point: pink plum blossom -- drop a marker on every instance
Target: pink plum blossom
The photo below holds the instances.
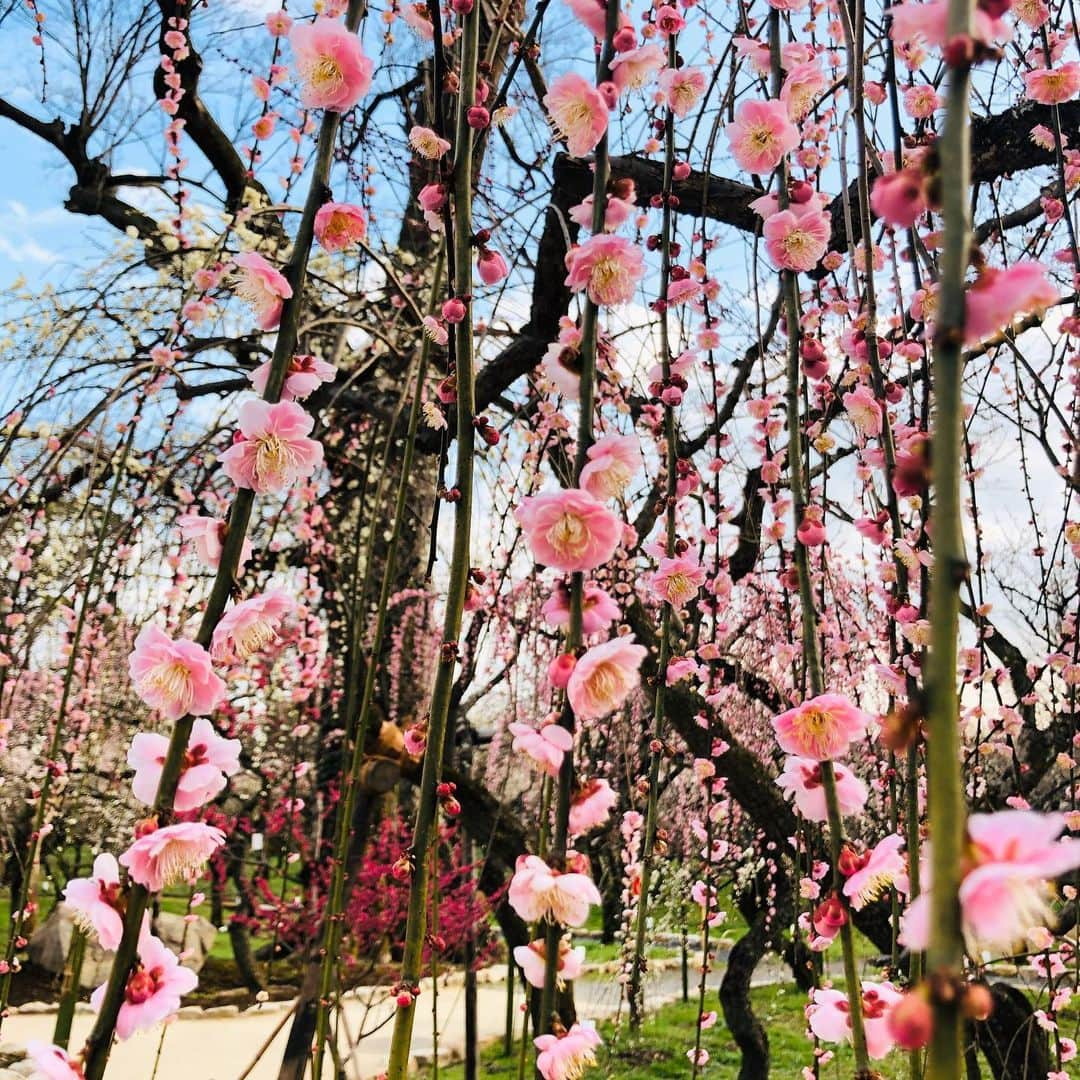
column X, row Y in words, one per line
column 921, row 101
column 865, row 410
column 636, row 68
column 761, row 134
column 830, row 1016
column 900, row 198
column 273, row 450
column 618, row 211
column 52, row 1062
column 598, row 610
column 96, row 900
column 797, row 241
column 264, row 288
column 278, row 23
column 678, row 579
column 569, row 529
column 593, row 15
column 1012, row 855
column 591, row 807
column 174, row 677
column 428, row 143
column 607, row 267
column 154, row 987
column 539, row 892
column 878, row 869
column 578, row 112
column 305, row 375
column 208, row 536
column 682, row 88
column 334, row 73
column 339, row 226
column 173, row 853
column 604, row 677
column 820, row 728
column 531, row 959
column 998, row 296
column 801, row 779
column 929, row 22
column 612, row 463
column 802, row 87
column 546, row 745
column 209, row 759
column 1053, row 86
column 565, row 1057
column 251, row 625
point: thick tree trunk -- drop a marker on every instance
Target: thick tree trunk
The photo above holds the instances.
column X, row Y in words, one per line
column 745, row 1027
column 240, row 940
column 298, row 1048
column 1014, row 1045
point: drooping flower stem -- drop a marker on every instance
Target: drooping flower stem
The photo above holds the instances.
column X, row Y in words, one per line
column 648, row 843
column 427, row 809
column 564, row 788
column 946, row 808
column 358, row 705
column 854, row 35
column 99, row 1042
column 69, row 995
column 33, row 854
column 847, row 935
column 813, row 672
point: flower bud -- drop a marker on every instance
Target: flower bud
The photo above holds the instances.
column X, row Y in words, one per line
column 478, row 117
column 560, row 669
column 976, row 1002
column 453, row 310
column 911, row 1020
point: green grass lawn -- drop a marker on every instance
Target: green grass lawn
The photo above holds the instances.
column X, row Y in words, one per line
column 659, row 1051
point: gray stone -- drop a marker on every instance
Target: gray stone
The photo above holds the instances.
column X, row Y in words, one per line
column 50, row 943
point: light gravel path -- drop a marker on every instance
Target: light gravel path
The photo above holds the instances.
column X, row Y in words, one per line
column 219, row 1044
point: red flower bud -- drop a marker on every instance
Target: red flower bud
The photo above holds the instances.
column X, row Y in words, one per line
column 478, row 117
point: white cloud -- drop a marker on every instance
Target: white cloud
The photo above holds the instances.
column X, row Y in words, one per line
column 20, row 251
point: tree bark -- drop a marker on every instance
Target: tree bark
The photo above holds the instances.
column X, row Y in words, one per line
column 1014, row 1045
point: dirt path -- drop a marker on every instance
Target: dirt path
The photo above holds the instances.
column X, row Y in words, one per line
column 219, row 1044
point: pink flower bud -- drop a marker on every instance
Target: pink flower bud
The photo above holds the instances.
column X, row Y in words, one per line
column 478, row 117
column 491, row 266
column 911, row 1021
column 560, row 670
column 453, row 310
column 610, row 93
